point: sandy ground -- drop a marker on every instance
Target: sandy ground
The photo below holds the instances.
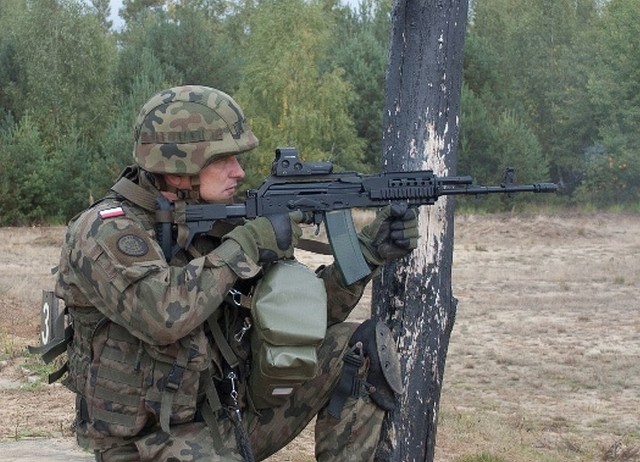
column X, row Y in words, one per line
column 544, row 360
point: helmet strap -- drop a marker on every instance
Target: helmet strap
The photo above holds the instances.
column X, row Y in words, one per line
column 192, row 194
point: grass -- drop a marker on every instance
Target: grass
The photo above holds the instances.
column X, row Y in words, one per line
column 9, row 347
column 482, row 457
column 39, row 370
column 544, row 359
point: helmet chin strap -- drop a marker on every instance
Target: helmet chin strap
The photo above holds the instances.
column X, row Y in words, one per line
column 192, row 194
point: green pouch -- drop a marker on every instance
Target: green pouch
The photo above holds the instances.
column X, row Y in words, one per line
column 289, row 310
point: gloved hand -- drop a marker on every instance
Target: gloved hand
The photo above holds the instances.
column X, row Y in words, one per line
column 267, row 239
column 392, row 234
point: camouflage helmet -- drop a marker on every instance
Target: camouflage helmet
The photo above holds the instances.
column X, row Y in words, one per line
column 181, row 129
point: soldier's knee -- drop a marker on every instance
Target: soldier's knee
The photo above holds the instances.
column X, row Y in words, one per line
column 383, row 381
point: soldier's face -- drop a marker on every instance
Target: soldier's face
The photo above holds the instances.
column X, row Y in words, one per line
column 220, row 179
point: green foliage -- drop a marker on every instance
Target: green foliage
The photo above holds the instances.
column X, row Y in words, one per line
column 70, row 176
column 23, row 169
column 290, row 97
column 612, row 171
column 551, row 88
column 364, row 35
column 612, row 176
column 530, row 59
column 491, row 142
column 67, row 62
column 183, row 45
column 103, row 9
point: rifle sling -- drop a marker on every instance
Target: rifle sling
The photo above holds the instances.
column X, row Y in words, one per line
column 318, row 247
column 136, row 194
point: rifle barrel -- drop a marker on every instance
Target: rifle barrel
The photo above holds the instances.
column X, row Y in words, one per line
column 503, row 188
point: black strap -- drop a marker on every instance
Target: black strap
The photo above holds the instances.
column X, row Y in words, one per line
column 349, row 383
column 311, row 245
column 242, row 437
column 55, row 376
column 52, row 350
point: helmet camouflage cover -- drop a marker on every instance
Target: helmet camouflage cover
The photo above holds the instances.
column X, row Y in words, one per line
column 181, row 129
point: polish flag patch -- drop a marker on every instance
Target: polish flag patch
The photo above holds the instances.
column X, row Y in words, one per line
column 111, row 213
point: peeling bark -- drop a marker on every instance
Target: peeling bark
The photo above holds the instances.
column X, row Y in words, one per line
column 421, row 125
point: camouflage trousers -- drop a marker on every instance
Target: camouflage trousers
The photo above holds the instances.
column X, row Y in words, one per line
column 351, row 438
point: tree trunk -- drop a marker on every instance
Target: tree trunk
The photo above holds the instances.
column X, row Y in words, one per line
column 414, row 296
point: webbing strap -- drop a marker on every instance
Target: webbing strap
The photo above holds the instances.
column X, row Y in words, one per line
column 52, row 350
column 114, row 417
column 172, row 384
column 114, row 375
column 180, row 399
column 210, row 391
column 55, row 376
column 221, row 342
column 210, row 410
column 311, row 245
column 117, row 397
column 135, row 193
column 116, row 355
column 349, row 384
column 212, row 422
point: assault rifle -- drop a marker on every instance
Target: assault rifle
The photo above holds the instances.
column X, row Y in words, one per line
column 327, row 198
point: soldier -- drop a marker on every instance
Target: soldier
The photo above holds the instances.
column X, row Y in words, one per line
column 159, row 360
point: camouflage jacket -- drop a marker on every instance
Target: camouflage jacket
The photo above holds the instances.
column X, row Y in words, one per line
column 140, row 345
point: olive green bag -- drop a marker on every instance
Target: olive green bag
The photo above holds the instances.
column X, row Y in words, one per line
column 289, row 310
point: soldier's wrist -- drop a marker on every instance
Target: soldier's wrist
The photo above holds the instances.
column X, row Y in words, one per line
column 243, row 237
column 231, row 254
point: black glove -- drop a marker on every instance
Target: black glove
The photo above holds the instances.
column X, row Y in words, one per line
column 392, row 234
column 270, row 238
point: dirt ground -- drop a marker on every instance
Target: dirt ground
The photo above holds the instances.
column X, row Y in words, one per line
column 544, row 360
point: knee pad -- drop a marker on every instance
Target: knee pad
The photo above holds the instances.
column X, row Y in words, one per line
column 383, row 383
column 384, row 377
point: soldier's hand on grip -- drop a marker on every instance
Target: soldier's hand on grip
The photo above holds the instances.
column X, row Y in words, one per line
column 269, row 238
column 391, row 235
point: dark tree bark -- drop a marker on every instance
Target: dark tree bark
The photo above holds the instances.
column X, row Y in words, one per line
column 414, row 296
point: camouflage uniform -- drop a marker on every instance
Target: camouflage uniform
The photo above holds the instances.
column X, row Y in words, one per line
column 144, row 361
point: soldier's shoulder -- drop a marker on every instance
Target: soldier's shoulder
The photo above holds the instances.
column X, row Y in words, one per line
column 107, row 216
column 118, row 229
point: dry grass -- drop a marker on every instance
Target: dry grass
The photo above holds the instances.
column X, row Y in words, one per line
column 544, row 361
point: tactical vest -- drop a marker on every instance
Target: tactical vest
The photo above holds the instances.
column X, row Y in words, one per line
column 124, row 385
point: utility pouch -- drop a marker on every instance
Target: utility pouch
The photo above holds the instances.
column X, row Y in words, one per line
column 175, row 379
column 131, row 383
column 289, row 311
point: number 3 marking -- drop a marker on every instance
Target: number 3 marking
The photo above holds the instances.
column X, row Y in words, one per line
column 45, row 332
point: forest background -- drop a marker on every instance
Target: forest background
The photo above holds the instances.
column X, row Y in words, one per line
column 551, row 87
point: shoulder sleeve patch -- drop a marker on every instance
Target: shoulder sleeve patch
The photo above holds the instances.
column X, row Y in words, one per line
column 132, row 245
column 128, row 244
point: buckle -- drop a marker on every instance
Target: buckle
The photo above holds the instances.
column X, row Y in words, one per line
column 235, row 296
column 174, row 377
